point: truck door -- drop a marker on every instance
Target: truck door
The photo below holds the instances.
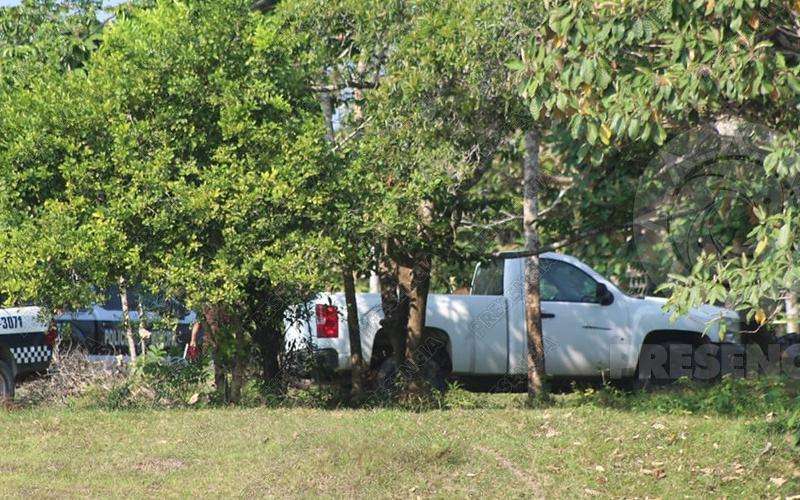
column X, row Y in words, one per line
column 579, row 330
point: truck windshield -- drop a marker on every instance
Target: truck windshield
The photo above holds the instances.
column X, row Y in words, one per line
column 488, row 279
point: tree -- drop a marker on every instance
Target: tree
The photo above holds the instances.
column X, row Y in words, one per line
column 533, row 304
column 191, row 152
column 435, row 102
column 42, row 35
column 598, row 77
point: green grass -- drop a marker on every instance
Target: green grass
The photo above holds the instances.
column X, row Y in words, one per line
column 575, row 449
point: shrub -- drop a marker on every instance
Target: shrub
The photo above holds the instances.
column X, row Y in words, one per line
column 70, row 378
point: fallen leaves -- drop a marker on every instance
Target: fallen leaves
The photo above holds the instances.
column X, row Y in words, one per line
column 658, row 472
column 777, row 481
column 552, row 433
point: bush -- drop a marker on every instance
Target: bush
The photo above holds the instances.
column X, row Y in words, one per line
column 71, row 377
column 154, row 381
column 161, row 380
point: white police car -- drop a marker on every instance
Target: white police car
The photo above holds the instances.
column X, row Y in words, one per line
column 100, row 328
column 26, row 345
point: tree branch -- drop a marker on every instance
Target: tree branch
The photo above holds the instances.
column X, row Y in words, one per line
column 559, row 244
column 557, row 201
column 349, row 84
column 352, row 134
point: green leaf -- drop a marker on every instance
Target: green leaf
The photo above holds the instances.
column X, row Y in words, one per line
column 603, row 77
column 633, row 129
column 591, row 132
column 587, row 70
column 793, row 82
column 515, row 65
column 784, row 235
column 535, row 108
column 561, row 101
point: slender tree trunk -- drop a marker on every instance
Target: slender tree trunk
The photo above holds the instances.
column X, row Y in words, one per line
column 533, row 305
column 354, row 331
column 269, row 340
column 394, row 304
column 419, row 276
column 326, row 103
column 357, row 360
column 405, row 278
column 143, row 332
column 126, row 317
column 791, row 313
column 214, row 321
column 239, row 362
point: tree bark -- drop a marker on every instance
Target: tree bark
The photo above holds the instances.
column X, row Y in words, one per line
column 405, row 277
column 354, row 331
column 126, row 318
column 270, row 340
column 326, row 103
column 394, row 304
column 533, row 305
column 239, row 362
column 143, row 332
column 214, row 319
column 416, row 282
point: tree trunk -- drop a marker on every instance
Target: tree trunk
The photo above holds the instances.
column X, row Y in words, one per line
column 238, row 363
column 326, row 103
column 126, row 317
column 394, row 304
column 214, row 318
column 791, row 313
column 354, row 331
column 270, row 340
column 143, row 332
column 533, row 305
column 417, row 282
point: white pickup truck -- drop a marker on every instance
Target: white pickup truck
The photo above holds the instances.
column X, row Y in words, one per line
column 590, row 327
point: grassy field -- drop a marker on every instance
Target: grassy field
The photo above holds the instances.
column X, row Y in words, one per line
column 580, row 451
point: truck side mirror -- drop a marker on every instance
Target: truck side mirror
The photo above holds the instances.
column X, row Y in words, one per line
column 604, row 295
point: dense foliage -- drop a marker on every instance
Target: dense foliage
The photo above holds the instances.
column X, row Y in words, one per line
column 239, row 156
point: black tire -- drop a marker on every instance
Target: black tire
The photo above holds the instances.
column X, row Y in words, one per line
column 435, row 375
column 432, row 372
column 386, row 376
column 6, row 384
column 644, row 379
column 790, row 355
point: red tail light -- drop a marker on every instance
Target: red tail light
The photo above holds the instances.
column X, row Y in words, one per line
column 51, row 335
column 327, row 321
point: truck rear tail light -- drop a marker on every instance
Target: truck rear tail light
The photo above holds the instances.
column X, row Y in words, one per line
column 51, row 335
column 327, row 321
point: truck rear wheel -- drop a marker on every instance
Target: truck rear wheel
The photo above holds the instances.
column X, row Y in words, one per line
column 432, row 373
column 6, row 384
